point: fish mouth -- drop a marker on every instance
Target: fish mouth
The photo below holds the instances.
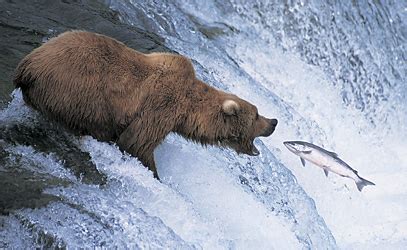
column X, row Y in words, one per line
column 290, row 146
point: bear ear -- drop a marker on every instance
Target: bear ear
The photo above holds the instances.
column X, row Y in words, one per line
column 230, row 107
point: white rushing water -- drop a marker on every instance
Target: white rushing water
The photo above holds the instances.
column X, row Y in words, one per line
column 332, row 73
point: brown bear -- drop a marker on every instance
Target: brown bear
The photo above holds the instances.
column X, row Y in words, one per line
column 96, row 85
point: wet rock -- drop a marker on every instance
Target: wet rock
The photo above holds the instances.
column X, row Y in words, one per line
column 53, row 139
column 25, row 25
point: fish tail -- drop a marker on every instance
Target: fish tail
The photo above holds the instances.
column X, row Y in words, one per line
column 361, row 183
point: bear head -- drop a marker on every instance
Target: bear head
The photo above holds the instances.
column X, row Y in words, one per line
column 242, row 124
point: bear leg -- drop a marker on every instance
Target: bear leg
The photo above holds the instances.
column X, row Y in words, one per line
column 148, row 160
column 140, row 139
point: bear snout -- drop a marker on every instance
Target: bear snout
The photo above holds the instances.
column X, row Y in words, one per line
column 271, row 126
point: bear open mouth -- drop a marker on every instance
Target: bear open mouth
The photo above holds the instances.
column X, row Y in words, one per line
column 253, row 150
column 240, row 147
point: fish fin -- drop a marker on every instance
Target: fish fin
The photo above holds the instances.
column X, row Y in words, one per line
column 306, row 152
column 302, row 161
column 361, row 183
column 326, row 172
column 333, row 154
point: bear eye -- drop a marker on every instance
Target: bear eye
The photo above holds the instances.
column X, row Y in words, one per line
column 257, row 116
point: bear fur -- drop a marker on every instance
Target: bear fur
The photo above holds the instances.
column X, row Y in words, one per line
column 96, row 85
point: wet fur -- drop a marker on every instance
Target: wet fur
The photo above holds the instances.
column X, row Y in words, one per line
column 98, row 86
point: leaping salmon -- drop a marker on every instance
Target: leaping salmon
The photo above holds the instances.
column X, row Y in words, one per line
column 328, row 161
